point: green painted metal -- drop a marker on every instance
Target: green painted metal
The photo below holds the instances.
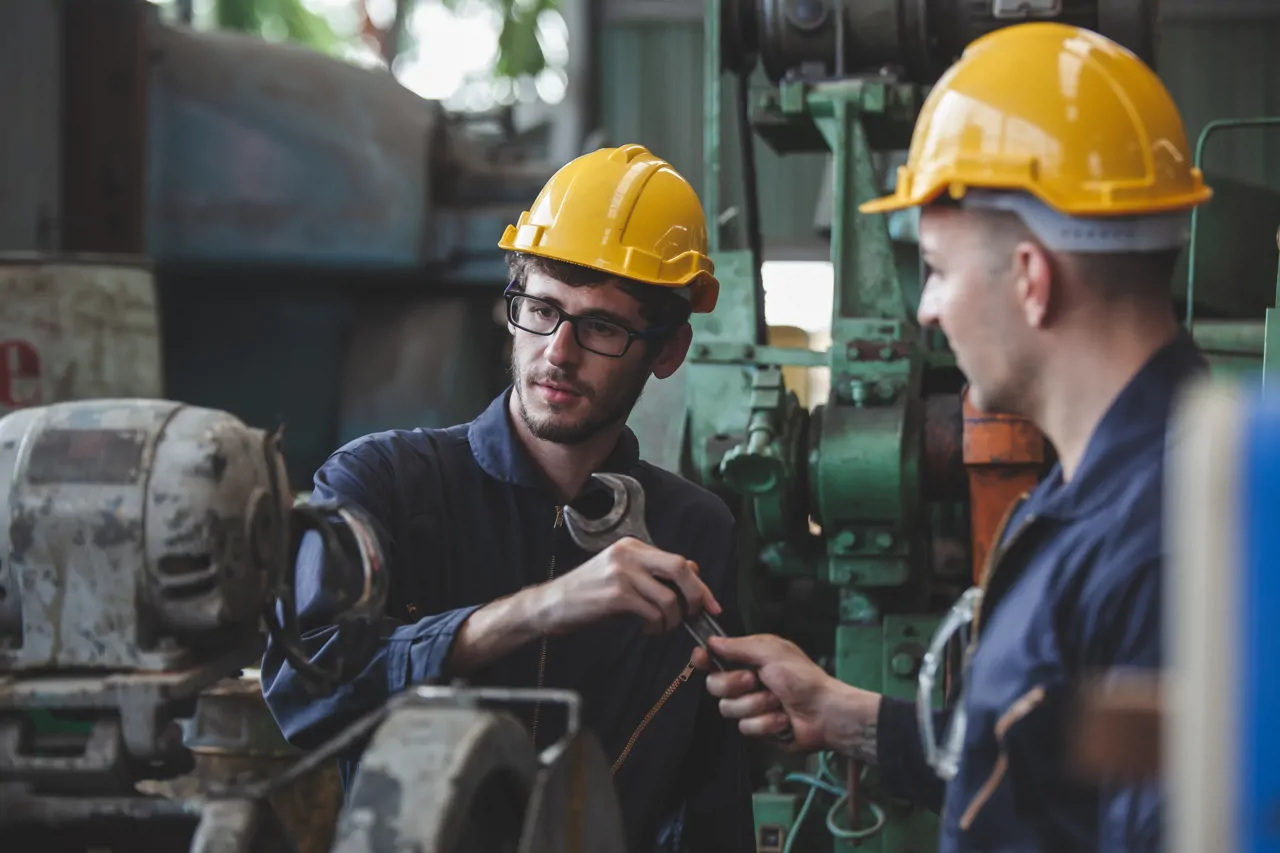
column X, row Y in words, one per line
column 1202, row 140
column 852, row 467
column 885, row 657
column 775, row 814
column 1271, row 337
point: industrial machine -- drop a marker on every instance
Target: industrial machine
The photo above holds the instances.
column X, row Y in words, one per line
column 865, row 518
column 318, row 241
column 147, row 545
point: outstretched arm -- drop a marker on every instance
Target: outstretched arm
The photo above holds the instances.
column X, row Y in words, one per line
column 405, row 654
column 824, row 713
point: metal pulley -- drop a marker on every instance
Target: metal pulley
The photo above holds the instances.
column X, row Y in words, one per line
column 838, row 38
column 449, row 771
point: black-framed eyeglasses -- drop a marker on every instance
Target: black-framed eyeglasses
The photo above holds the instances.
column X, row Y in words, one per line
column 594, row 334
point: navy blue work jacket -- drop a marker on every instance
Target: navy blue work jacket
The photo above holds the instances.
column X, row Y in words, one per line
column 1074, row 587
column 470, row 519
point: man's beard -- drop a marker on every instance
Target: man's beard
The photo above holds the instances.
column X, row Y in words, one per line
column 603, row 409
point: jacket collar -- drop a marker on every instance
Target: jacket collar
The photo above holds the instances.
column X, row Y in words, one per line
column 1136, row 420
column 501, row 455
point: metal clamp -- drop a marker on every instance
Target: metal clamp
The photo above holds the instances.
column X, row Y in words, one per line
column 945, row 759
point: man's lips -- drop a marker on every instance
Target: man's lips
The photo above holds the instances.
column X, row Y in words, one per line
column 556, row 392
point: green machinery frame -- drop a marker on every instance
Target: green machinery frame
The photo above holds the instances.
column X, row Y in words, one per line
column 854, row 467
column 858, row 498
column 1240, row 345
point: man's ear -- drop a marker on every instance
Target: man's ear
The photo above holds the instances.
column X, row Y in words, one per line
column 674, row 351
column 1033, row 271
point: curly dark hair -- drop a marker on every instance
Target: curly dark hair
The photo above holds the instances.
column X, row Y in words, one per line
column 660, row 306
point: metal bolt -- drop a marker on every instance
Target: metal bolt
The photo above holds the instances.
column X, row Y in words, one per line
column 845, row 541
column 884, row 541
column 886, row 353
column 903, row 664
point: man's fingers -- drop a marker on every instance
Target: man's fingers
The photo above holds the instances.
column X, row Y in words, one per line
column 660, row 596
column 756, row 650
column 727, row 685
column 654, row 617
column 751, row 705
column 765, row 724
column 684, row 574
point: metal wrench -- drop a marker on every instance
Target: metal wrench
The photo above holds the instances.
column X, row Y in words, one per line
column 627, row 518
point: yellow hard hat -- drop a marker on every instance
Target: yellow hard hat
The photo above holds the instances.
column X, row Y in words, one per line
column 1058, row 112
column 625, row 212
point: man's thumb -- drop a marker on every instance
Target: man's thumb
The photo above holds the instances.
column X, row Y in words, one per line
column 755, row 650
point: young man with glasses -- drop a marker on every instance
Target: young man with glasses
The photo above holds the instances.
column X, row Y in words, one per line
column 1053, row 178
column 606, row 267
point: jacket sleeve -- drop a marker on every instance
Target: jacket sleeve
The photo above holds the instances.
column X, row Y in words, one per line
column 900, row 754
column 406, row 653
column 718, row 814
column 1126, row 635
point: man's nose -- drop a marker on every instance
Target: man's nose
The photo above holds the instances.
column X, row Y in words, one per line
column 563, row 348
column 927, row 313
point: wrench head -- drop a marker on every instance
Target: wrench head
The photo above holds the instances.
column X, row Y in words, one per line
column 624, row 518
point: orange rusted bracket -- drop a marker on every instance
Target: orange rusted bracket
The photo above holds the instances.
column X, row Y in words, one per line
column 1003, row 455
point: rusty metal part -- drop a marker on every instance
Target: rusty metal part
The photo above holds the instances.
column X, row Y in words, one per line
column 1005, row 456
column 132, row 709
column 1118, row 727
column 237, row 742
column 105, row 91
column 240, row 826
column 440, row 780
column 448, row 770
column 33, row 822
column 75, row 327
column 573, row 806
column 942, row 463
column 130, row 534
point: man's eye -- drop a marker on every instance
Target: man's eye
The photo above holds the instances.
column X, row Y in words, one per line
column 602, row 329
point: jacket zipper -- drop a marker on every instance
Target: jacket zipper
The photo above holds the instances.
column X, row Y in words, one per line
column 657, row 706
column 542, row 653
column 997, row 554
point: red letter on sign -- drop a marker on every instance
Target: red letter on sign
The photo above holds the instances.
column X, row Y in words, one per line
column 19, row 374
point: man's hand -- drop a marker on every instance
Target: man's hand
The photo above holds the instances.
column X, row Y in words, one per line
column 788, row 688
column 626, row 577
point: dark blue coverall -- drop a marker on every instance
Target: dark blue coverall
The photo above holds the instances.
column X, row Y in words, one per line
column 469, row 520
column 1074, row 586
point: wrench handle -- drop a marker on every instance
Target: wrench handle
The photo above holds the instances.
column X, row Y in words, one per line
column 704, row 625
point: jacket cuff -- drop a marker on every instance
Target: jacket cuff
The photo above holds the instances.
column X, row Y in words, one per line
column 420, row 656
column 899, row 754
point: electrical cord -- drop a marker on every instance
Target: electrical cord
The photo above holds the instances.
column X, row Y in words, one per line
column 826, row 781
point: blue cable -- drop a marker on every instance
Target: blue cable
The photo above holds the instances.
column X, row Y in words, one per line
column 827, row 782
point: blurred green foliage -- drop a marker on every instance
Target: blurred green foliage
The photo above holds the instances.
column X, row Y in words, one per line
column 519, row 51
column 288, row 19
